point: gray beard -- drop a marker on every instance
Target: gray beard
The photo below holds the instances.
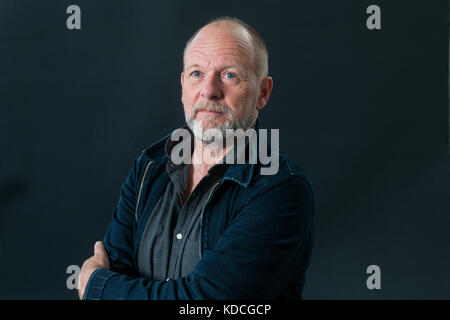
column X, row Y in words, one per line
column 207, row 136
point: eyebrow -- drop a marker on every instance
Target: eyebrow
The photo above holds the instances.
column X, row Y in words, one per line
column 192, row 66
column 227, row 66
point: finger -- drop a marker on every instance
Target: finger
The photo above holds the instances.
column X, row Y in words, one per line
column 100, row 253
column 99, row 249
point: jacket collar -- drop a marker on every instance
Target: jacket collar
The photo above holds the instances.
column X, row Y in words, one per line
column 239, row 173
column 242, row 173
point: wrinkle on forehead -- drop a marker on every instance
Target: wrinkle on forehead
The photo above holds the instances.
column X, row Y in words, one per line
column 220, row 51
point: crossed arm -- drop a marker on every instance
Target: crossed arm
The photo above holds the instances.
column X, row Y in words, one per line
column 100, row 259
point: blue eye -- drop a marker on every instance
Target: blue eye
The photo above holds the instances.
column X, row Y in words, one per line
column 230, row 75
column 196, row 73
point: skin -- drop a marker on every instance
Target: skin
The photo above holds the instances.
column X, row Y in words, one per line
column 219, row 66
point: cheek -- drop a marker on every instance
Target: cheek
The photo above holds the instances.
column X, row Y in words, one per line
column 188, row 95
column 243, row 101
column 186, row 99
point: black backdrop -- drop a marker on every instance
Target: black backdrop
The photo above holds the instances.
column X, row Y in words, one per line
column 364, row 112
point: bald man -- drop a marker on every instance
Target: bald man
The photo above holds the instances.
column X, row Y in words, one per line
column 208, row 228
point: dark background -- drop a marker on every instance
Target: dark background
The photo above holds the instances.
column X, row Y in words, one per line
column 365, row 113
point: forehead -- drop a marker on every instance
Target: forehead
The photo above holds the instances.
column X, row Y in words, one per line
column 220, row 44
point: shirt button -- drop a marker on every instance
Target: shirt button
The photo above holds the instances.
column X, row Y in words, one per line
column 179, row 236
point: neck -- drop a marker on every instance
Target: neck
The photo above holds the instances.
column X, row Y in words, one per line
column 206, row 156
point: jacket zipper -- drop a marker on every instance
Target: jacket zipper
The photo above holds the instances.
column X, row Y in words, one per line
column 201, row 216
column 140, row 190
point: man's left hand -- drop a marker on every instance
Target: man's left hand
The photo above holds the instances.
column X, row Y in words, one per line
column 98, row 260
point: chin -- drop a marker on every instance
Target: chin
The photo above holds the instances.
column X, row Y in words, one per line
column 210, row 123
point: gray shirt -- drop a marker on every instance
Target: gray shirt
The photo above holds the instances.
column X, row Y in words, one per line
column 170, row 245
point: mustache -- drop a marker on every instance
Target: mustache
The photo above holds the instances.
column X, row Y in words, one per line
column 210, row 106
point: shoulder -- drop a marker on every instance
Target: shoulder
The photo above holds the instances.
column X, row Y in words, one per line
column 286, row 171
column 156, row 151
column 151, row 156
column 288, row 193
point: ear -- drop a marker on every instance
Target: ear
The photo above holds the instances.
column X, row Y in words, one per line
column 264, row 93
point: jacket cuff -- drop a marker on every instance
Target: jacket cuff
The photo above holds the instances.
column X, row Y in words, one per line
column 96, row 284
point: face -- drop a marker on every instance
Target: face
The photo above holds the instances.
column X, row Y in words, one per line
column 220, row 87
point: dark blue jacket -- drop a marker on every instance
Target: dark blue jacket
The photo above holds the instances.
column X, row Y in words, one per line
column 256, row 235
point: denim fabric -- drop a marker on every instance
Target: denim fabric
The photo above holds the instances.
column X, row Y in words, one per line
column 256, row 235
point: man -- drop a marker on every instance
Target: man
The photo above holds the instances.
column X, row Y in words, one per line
column 209, row 229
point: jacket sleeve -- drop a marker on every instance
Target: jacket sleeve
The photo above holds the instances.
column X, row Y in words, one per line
column 263, row 249
column 118, row 239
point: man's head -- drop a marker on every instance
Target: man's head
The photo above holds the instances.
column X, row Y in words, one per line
column 224, row 79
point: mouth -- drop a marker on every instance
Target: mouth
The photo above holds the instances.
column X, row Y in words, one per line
column 210, row 112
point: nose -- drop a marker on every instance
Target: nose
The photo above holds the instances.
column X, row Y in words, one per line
column 211, row 88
